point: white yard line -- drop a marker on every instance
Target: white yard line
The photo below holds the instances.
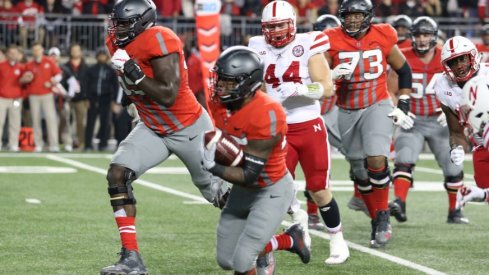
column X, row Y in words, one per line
column 373, row 252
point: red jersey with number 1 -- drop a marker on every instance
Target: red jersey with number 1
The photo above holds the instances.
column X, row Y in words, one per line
column 368, row 55
column 153, row 43
column 423, row 98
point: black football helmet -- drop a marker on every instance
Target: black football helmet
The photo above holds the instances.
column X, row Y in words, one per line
column 424, row 25
column 130, row 18
column 326, row 21
column 402, row 21
column 356, row 6
column 244, row 67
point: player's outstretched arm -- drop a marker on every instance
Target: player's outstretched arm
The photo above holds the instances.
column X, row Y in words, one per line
column 256, row 154
column 164, row 85
column 321, row 73
column 456, row 131
column 398, row 63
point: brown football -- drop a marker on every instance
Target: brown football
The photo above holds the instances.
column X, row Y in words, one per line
column 228, row 151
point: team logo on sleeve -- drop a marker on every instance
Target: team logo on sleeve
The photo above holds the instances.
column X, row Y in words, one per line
column 298, row 50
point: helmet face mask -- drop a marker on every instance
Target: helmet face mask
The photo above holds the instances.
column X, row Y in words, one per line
column 424, row 32
column 237, row 75
column 460, row 59
column 129, row 18
column 355, row 16
column 278, row 23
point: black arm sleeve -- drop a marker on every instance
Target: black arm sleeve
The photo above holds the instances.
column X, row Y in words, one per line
column 405, row 80
column 252, row 168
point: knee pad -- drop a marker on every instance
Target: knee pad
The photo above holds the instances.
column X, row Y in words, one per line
column 404, row 171
column 120, row 185
column 453, row 183
column 364, row 186
column 380, row 179
column 358, row 170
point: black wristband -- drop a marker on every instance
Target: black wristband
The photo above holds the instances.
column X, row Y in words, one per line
column 218, row 170
column 404, row 105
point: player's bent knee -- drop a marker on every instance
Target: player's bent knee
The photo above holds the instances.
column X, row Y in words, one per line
column 403, row 171
column 120, row 185
column 243, row 262
column 224, row 261
column 357, row 170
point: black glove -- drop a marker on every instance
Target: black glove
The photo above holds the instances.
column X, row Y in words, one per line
column 133, row 71
column 404, row 103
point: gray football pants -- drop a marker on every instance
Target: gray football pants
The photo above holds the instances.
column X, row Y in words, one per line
column 409, row 144
column 248, row 222
column 143, row 149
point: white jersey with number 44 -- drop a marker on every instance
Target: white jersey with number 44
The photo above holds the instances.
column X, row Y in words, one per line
column 290, row 64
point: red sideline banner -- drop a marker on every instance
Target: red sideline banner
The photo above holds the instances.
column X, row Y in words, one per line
column 208, row 36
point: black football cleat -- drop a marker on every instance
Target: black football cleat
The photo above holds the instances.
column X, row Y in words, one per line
column 299, row 247
column 398, row 210
column 130, row 263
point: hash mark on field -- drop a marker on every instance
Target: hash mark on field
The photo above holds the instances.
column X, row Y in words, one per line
column 322, row 235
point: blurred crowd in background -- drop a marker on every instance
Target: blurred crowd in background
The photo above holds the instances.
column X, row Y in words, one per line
column 74, row 102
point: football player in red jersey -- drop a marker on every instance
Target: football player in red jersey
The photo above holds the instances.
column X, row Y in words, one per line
column 402, row 24
column 365, row 104
column 429, row 125
column 262, row 186
column 153, row 75
column 329, row 112
column 297, row 75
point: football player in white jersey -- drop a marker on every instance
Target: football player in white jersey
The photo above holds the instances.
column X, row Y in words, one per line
column 475, row 97
column 461, row 62
column 297, row 75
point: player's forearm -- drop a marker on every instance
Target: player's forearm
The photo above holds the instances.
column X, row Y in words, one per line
column 234, row 175
column 458, row 139
column 164, row 94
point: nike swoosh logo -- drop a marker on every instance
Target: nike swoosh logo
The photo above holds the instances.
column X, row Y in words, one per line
column 192, row 138
column 274, row 196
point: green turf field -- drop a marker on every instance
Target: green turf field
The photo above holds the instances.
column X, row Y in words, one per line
column 72, row 230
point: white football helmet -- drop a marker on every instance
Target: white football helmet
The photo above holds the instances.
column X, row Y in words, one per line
column 475, row 96
column 455, row 47
column 275, row 13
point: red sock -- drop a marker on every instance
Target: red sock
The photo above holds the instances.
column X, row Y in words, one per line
column 368, row 198
column 312, row 208
column 452, row 200
column 127, row 230
column 356, row 193
column 401, row 187
column 381, row 198
column 381, row 195
column 282, row 242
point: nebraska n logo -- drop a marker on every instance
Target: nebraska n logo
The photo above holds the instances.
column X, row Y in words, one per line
column 473, row 94
column 317, row 128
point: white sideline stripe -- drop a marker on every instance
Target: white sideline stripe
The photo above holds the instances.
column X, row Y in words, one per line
column 355, row 246
column 436, row 171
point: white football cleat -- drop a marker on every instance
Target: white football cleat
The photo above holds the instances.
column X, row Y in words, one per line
column 338, row 249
